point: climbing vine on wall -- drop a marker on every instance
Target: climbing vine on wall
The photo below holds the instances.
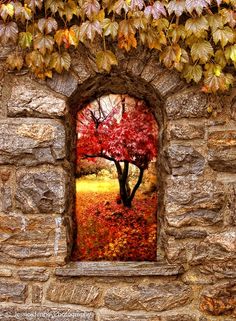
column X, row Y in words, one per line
column 195, row 37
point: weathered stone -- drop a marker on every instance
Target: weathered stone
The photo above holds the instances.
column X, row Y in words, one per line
column 232, row 204
column 219, row 299
column 13, row 292
column 10, row 224
column 195, row 277
column 184, row 160
column 37, row 240
column 5, row 272
column 41, row 190
column 190, row 201
column 216, row 247
column 178, row 251
column 146, row 317
column 222, row 151
column 185, row 131
column 13, row 313
column 167, row 83
column 36, row 274
column 81, row 66
column 73, row 292
column 115, row 269
column 28, row 100
column 65, row 84
column 187, row 104
column 199, row 217
column 31, row 141
column 153, row 69
column 184, row 234
column 221, row 270
column 37, row 293
column 6, row 197
column 233, row 108
column 150, row 297
column 198, row 193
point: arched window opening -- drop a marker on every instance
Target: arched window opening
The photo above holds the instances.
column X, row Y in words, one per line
column 116, row 185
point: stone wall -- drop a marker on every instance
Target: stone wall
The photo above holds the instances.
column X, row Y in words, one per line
column 194, row 278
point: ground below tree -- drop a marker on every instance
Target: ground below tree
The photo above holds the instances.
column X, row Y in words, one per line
column 109, row 231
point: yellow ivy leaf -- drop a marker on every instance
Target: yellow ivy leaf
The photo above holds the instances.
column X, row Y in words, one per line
column 110, row 27
column 220, row 58
column 215, row 21
column 25, row 39
column 8, row 32
column 202, row 51
column 196, row 26
column 224, row 36
column 15, row 61
column 105, row 59
column 43, row 43
column 35, row 59
column 127, row 42
column 60, row 61
column 6, row 10
column 54, row 5
column 171, row 55
column 192, row 72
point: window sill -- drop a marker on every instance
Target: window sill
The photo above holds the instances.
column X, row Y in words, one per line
column 113, row 269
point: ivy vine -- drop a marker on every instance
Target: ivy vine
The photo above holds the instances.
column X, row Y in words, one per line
column 195, row 37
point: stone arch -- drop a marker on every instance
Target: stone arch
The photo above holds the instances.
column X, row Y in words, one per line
column 143, row 77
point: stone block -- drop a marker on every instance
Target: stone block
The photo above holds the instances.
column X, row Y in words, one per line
column 149, row 297
column 81, row 66
column 189, row 103
column 190, row 200
column 222, row 151
column 184, row 233
column 73, row 292
column 10, row 224
column 35, row 240
column 185, row 131
column 65, row 84
column 28, row 99
column 198, row 217
column 220, row 270
column 33, row 274
column 4, row 272
column 6, row 198
column 41, row 190
column 31, row 141
column 216, row 248
column 12, row 292
column 37, row 293
column 146, row 317
column 13, row 313
column 167, row 82
column 219, row 299
column 178, row 251
column 153, row 69
column 119, row 269
column 184, row 160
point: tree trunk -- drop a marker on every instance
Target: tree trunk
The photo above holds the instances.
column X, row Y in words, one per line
column 123, row 176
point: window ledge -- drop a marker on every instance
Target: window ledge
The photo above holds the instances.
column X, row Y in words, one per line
column 119, row 269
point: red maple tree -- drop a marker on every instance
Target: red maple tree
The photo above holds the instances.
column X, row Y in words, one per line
column 125, row 133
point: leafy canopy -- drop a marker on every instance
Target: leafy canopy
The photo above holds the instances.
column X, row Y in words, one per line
column 122, row 130
column 195, row 37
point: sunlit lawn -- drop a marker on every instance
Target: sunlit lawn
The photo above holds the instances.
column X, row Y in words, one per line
column 96, row 186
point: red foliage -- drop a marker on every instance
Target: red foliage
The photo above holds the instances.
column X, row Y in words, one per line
column 108, row 231
column 124, row 133
column 130, row 135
